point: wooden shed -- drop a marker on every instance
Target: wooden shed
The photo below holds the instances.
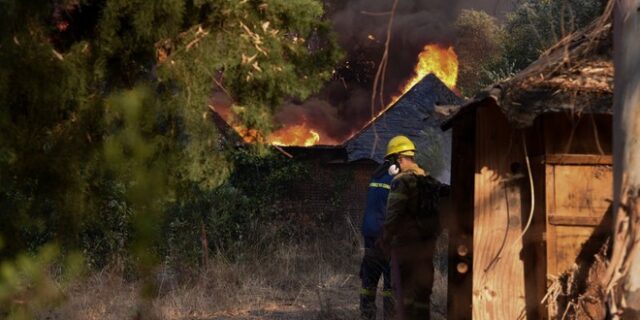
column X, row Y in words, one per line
column 531, row 181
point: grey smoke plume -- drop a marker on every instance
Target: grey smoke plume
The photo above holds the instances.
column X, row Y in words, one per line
column 317, row 114
column 343, row 106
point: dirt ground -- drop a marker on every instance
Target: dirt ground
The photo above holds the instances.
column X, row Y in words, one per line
column 338, row 299
column 296, row 282
column 340, row 302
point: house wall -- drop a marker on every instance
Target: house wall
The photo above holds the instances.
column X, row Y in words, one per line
column 333, row 195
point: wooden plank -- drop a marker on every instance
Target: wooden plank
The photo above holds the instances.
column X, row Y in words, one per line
column 498, row 280
column 570, row 240
column 551, row 232
column 460, row 221
column 589, row 221
column 578, row 159
column 582, row 190
column 578, row 187
column 578, row 201
column 534, row 253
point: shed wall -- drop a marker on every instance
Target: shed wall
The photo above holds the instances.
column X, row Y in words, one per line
column 460, row 221
column 567, row 133
column 498, row 280
column 569, row 156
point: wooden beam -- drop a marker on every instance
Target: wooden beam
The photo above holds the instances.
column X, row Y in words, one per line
column 578, row 159
column 560, row 220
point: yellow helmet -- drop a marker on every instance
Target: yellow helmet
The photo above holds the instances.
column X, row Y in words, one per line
column 400, row 145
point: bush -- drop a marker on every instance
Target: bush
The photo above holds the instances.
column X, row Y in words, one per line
column 235, row 216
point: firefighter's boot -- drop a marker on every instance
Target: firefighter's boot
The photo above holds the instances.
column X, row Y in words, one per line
column 388, row 304
column 368, row 304
column 421, row 311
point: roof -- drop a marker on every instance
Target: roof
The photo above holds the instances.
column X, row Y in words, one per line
column 575, row 75
column 321, row 153
column 229, row 134
column 414, row 112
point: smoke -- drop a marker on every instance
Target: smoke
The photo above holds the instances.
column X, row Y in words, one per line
column 344, row 105
column 317, row 114
column 416, row 23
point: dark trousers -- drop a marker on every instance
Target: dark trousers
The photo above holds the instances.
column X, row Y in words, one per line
column 374, row 265
column 416, row 274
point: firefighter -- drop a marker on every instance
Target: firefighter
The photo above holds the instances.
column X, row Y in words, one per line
column 410, row 237
column 375, row 264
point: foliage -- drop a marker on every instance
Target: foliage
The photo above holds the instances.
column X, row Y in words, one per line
column 478, row 45
column 102, row 104
column 536, row 25
column 490, row 52
column 104, row 237
column 234, row 215
column 25, row 285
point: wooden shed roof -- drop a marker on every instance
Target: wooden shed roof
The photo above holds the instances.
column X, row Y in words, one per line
column 575, row 75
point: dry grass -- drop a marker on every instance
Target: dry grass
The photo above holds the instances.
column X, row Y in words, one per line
column 312, row 279
column 295, row 281
column 99, row 296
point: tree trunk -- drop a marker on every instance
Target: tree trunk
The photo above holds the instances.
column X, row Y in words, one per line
column 204, row 241
column 623, row 275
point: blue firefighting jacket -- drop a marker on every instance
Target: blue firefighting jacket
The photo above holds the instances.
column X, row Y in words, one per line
column 375, row 211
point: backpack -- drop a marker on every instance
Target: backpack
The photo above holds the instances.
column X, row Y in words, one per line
column 429, row 191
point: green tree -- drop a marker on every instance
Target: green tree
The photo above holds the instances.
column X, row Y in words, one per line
column 479, row 47
column 536, row 25
column 103, row 106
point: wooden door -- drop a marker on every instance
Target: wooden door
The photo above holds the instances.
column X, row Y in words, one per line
column 577, row 194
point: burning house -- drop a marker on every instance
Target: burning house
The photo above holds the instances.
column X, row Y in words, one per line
column 531, row 175
column 348, row 166
column 341, row 172
column 417, row 115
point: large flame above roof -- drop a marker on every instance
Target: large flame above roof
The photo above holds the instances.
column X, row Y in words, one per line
column 437, row 59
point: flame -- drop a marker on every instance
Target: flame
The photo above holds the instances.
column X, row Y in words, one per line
column 437, row 59
column 296, row 135
column 62, row 26
column 248, row 135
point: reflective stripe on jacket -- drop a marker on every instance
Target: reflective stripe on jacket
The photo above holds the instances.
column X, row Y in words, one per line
column 375, row 210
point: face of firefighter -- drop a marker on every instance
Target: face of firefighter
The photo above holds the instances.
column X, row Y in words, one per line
column 405, row 162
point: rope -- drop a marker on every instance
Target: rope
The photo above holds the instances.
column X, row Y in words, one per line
column 533, row 196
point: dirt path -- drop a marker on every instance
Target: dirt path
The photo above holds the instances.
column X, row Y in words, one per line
column 336, row 301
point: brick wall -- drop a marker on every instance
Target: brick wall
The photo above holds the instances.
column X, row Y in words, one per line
column 333, row 195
